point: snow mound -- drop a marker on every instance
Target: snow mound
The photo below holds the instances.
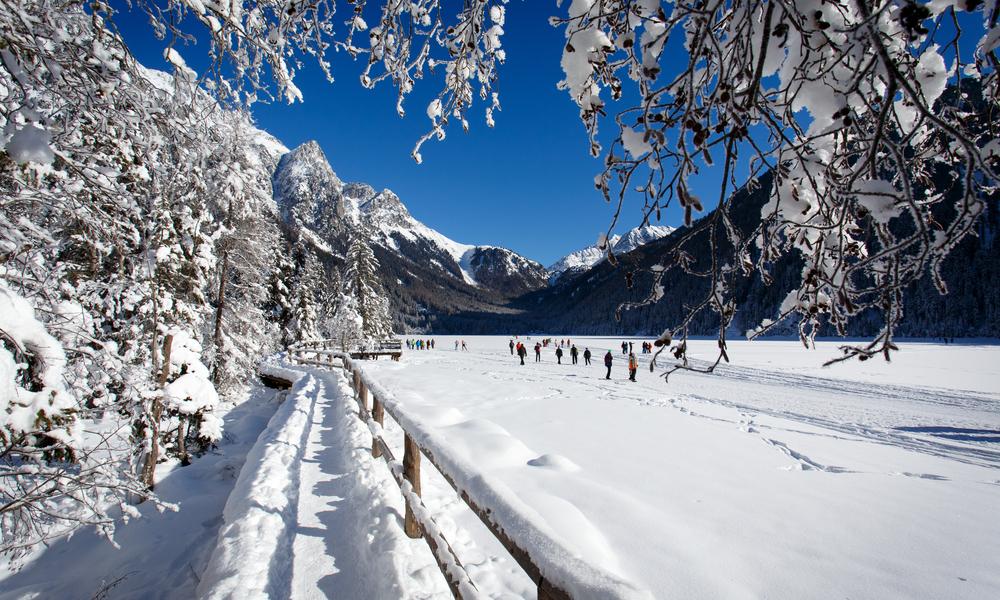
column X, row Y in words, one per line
column 554, row 462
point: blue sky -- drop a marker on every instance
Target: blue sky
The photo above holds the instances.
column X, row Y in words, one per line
column 526, row 184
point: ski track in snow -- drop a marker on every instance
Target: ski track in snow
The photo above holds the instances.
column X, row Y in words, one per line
column 973, row 454
column 982, row 455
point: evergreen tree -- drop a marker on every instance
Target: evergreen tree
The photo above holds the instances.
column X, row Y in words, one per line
column 363, row 283
column 245, row 242
column 304, row 322
column 278, row 306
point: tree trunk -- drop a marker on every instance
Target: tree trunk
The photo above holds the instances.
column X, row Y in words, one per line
column 220, row 307
column 182, row 441
column 149, row 466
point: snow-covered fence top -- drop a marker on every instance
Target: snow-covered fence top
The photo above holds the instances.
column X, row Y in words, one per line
column 328, row 347
column 554, row 566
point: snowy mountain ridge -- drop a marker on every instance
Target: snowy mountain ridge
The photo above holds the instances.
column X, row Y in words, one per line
column 311, row 194
column 327, row 211
column 585, row 258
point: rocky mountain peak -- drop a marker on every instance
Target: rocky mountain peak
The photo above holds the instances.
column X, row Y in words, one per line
column 305, row 186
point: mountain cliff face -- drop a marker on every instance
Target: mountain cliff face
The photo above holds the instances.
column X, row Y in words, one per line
column 587, row 302
column 424, row 272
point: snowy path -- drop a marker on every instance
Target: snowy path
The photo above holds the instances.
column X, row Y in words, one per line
column 349, row 541
column 772, row 478
column 313, row 515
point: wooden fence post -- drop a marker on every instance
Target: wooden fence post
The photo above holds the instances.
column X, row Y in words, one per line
column 411, row 471
column 362, row 400
column 378, row 413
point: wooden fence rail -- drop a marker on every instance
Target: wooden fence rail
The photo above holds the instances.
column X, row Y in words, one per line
column 418, row 521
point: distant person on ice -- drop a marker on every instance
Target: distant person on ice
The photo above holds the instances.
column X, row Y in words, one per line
column 456, row 345
column 512, row 347
column 559, row 355
column 521, row 352
column 633, row 366
column 574, row 353
column 624, row 347
column 586, row 356
column 538, row 352
column 464, row 347
column 608, row 359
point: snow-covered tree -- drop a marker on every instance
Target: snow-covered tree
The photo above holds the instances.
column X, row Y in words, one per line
column 346, row 326
column 305, row 315
column 362, row 282
column 108, row 243
column 246, row 246
column 845, row 102
column 280, row 300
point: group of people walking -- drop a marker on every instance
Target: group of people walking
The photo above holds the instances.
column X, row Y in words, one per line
column 429, row 345
column 521, row 351
column 419, row 344
column 646, row 348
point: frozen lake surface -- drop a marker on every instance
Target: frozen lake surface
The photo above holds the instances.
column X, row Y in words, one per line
column 772, row 477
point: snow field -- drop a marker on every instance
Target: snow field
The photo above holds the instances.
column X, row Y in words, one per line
column 774, row 477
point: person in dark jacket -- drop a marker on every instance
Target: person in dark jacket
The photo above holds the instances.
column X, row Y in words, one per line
column 608, row 359
column 559, row 355
column 586, row 356
column 538, row 352
column 512, row 347
column 574, row 354
column 521, row 352
column 624, row 347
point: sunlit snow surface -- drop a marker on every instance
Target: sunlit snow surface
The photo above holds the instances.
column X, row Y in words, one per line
column 773, row 477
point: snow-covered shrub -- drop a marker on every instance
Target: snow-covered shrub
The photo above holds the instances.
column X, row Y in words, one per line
column 35, row 409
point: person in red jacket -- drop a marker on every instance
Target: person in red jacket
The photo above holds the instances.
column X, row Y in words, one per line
column 633, row 366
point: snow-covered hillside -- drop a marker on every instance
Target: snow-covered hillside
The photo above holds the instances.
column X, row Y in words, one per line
column 583, row 259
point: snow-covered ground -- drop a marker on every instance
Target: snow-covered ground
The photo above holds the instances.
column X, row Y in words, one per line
column 160, row 555
column 771, row 478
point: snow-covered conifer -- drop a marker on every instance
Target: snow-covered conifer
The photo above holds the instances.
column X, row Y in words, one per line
column 362, row 281
column 304, row 323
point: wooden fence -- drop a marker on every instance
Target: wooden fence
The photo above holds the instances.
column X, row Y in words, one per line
column 418, row 521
